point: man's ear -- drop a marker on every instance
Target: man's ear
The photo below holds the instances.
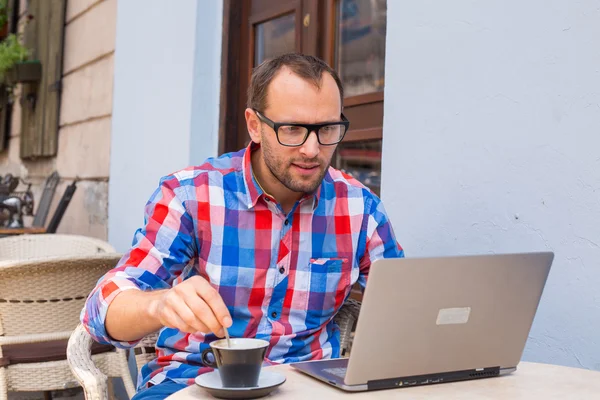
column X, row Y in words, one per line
column 253, row 125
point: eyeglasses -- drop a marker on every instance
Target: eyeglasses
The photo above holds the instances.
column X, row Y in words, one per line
column 294, row 135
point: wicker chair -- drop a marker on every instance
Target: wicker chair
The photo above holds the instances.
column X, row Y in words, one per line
column 94, row 381
column 40, row 303
column 48, row 245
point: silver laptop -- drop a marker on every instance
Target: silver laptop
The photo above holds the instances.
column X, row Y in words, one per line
column 433, row 320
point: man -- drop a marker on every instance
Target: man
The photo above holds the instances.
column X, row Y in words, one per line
column 266, row 242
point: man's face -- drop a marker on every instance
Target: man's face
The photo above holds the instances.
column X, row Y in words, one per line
column 292, row 99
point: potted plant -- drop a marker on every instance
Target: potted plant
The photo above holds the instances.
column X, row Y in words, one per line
column 15, row 66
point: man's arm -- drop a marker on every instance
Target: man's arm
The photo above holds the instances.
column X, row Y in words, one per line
column 128, row 306
column 380, row 239
column 192, row 306
column 137, row 297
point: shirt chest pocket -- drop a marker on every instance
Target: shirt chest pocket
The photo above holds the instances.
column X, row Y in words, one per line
column 329, row 284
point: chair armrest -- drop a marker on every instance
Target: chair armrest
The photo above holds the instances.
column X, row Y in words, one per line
column 79, row 357
column 345, row 319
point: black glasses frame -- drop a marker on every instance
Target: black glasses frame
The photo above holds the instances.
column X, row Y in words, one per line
column 310, row 128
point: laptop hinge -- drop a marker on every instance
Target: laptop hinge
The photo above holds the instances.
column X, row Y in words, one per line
column 433, row 378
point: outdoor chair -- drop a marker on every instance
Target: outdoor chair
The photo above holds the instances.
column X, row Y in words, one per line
column 37, row 227
column 45, row 200
column 94, row 380
column 50, row 245
column 40, row 303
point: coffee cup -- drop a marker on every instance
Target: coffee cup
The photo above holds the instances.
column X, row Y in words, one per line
column 239, row 363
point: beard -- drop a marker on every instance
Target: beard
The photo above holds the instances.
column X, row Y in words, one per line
column 281, row 169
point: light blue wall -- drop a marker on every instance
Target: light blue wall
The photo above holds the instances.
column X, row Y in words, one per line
column 206, row 90
column 166, row 100
column 492, row 144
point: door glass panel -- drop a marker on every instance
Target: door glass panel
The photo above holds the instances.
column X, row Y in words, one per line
column 360, row 45
column 362, row 160
column 274, row 37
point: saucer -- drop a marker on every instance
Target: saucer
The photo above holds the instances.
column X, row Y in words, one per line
column 267, row 382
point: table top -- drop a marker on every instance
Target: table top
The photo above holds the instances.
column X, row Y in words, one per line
column 21, row 231
column 530, row 381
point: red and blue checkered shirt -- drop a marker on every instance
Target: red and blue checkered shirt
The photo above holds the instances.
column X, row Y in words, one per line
column 282, row 277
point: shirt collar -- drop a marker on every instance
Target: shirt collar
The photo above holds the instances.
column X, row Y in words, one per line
column 253, row 189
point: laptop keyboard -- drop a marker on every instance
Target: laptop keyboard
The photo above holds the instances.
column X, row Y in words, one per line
column 339, row 372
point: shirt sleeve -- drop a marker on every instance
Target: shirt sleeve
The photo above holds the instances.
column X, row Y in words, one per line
column 380, row 238
column 159, row 253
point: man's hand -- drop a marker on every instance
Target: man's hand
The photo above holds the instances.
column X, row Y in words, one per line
column 192, row 306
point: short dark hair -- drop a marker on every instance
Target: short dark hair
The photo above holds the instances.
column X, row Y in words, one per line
column 305, row 66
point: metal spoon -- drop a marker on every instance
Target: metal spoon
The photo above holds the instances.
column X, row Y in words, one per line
column 227, row 336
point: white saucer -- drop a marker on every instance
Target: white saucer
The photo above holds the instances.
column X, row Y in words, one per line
column 267, row 382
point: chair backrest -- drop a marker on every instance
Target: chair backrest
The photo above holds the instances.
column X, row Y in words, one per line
column 144, row 351
column 45, row 200
column 46, row 295
column 24, row 247
column 61, row 208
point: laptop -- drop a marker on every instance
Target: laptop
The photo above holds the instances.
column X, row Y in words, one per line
column 434, row 320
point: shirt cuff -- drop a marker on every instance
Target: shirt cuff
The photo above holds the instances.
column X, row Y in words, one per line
column 93, row 316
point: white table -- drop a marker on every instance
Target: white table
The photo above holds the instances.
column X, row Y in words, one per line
column 530, row 381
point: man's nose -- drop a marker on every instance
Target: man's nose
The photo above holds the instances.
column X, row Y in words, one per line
column 311, row 148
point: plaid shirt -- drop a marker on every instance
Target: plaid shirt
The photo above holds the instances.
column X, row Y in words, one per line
column 282, row 277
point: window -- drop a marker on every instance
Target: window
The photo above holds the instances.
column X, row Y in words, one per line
column 347, row 34
column 360, row 45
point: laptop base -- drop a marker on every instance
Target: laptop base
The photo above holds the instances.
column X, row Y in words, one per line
column 332, row 372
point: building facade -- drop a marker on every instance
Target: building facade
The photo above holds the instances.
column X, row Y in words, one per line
column 485, row 141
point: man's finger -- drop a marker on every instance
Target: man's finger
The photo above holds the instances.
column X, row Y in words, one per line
column 173, row 320
column 202, row 312
column 215, row 302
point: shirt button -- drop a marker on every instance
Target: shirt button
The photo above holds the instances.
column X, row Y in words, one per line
column 274, row 314
column 286, row 222
column 281, row 270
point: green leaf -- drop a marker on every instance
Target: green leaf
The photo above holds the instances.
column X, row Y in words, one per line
column 11, row 53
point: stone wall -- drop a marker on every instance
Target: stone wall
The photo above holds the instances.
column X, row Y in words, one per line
column 85, row 120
